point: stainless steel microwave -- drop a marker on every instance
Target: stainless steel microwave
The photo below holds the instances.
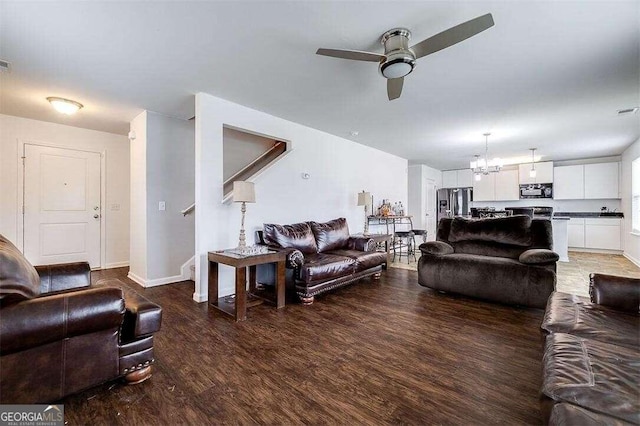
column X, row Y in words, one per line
column 536, row 190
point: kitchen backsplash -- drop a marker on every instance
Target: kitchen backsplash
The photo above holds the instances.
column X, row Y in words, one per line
column 558, row 205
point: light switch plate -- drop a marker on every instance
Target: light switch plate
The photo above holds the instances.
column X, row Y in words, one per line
column 161, row 206
column 115, row 207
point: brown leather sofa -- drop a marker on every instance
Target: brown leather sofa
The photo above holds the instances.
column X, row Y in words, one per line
column 507, row 260
column 322, row 256
column 59, row 336
column 591, row 364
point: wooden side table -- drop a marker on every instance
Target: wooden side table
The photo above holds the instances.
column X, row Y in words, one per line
column 237, row 308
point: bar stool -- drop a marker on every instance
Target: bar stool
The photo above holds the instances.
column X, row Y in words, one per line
column 404, row 239
column 420, row 232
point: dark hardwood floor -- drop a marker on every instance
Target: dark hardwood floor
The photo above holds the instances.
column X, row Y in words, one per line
column 375, row 352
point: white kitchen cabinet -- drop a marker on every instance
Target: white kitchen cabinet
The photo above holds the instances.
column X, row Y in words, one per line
column 485, row 188
column 601, row 181
column 575, row 229
column 602, row 234
column 544, row 173
column 568, row 182
column 450, row 179
column 465, row 178
column 457, row 178
column 507, row 187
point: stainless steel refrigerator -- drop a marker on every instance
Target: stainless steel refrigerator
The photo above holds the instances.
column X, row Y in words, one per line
column 454, row 202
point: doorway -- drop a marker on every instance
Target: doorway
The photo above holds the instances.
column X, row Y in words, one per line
column 431, row 217
column 62, row 213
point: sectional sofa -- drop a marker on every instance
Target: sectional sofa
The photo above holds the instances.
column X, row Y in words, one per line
column 591, row 364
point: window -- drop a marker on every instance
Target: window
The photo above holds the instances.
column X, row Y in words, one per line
column 635, row 196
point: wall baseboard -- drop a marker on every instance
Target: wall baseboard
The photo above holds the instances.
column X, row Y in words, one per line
column 133, row 277
column 116, row 265
column 598, row 251
column 198, row 297
column 185, row 274
column 632, row 259
column 185, row 269
column 155, row 282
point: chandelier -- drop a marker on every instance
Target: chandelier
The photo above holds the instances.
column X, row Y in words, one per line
column 483, row 166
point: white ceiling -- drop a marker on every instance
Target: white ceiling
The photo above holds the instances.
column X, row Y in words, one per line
column 549, row 75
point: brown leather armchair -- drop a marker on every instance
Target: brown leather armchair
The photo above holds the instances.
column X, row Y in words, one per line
column 59, row 336
column 506, row 260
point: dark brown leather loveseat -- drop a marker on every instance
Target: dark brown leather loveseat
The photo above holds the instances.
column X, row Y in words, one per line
column 507, row 260
column 59, row 336
column 591, row 364
column 322, row 256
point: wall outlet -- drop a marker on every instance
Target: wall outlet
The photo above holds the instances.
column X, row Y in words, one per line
column 161, row 206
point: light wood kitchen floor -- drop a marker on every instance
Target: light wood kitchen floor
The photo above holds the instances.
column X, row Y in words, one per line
column 573, row 276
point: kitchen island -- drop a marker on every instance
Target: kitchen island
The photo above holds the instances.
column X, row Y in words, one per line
column 561, row 237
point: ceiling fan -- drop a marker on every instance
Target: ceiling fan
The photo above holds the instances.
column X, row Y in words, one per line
column 399, row 59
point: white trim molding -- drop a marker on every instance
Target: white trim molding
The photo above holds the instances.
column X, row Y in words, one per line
column 199, row 297
column 155, row 282
column 185, row 269
column 116, row 265
column 632, row 259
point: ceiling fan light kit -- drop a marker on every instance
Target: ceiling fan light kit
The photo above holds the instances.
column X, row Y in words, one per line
column 399, row 60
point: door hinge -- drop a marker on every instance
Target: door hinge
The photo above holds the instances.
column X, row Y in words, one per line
column 22, row 209
column 23, row 160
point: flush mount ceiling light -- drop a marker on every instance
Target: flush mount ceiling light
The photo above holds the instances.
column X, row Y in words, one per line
column 532, row 172
column 484, row 166
column 64, row 106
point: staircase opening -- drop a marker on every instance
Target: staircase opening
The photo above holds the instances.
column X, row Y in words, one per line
column 245, row 155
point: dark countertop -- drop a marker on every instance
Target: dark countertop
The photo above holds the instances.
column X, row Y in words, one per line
column 615, row 215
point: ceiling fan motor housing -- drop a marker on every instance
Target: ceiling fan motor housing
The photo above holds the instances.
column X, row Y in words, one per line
column 399, row 59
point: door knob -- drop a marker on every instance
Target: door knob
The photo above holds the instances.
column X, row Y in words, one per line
column 96, row 208
column 96, row 216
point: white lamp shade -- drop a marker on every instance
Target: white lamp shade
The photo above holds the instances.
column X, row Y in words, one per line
column 364, row 198
column 243, row 192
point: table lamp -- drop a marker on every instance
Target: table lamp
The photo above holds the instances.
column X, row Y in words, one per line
column 364, row 199
column 243, row 192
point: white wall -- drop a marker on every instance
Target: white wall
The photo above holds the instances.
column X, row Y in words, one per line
column 631, row 242
column 162, row 156
column 116, row 149
column 170, row 178
column 138, row 244
column 338, row 169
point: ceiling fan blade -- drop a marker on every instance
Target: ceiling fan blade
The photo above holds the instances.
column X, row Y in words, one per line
column 355, row 55
column 453, row 35
column 394, row 87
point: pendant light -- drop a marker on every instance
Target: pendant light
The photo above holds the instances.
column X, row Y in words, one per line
column 485, row 166
column 532, row 172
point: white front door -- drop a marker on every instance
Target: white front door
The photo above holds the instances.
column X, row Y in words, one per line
column 431, row 210
column 61, row 205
